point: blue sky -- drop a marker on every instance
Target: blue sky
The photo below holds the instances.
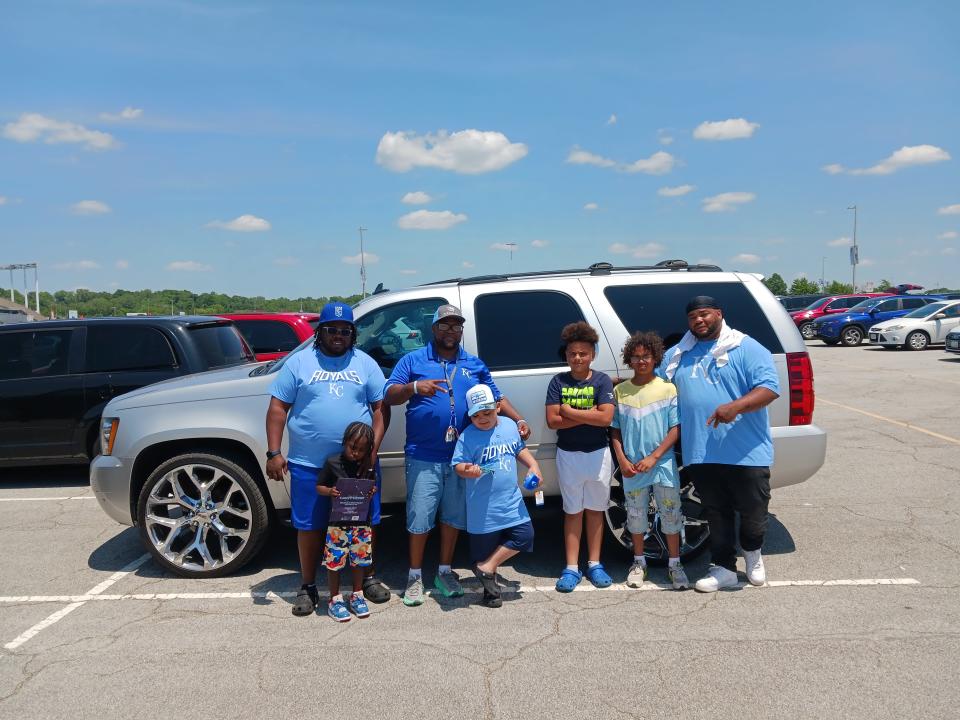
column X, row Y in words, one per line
column 237, row 146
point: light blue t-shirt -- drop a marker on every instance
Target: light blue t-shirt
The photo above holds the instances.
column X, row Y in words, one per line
column 644, row 415
column 702, row 386
column 326, row 394
column 494, row 501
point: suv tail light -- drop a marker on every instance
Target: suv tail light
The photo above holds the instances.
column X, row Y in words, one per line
column 800, row 375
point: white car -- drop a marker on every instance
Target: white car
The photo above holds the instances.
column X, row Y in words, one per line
column 924, row 326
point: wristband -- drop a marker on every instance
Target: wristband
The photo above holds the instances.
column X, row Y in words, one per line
column 521, row 420
column 415, row 388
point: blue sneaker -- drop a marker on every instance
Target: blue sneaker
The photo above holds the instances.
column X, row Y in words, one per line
column 598, row 576
column 338, row 611
column 359, row 606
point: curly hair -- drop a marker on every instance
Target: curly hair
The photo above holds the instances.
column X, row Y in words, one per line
column 358, row 430
column 647, row 340
column 579, row 332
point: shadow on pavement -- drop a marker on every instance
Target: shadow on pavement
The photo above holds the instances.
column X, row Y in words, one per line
column 59, row 476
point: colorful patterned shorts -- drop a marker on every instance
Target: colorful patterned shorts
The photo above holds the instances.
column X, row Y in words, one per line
column 351, row 542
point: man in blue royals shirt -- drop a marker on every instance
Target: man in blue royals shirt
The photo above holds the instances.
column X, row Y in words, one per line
column 318, row 392
column 433, row 381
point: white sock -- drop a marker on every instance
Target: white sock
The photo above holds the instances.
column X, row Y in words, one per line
column 674, row 561
column 336, row 598
column 358, row 593
column 444, row 569
column 574, row 568
column 592, row 563
column 640, row 560
column 415, row 573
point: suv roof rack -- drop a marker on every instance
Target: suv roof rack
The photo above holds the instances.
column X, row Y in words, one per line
column 597, row 268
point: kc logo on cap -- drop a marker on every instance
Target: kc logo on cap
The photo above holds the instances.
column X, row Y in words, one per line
column 339, row 310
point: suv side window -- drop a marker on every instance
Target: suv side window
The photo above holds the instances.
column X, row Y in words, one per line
column 268, row 336
column 660, row 307
column 914, row 303
column 111, row 348
column 887, row 305
column 32, row 353
column 509, row 340
column 848, row 302
column 388, row 333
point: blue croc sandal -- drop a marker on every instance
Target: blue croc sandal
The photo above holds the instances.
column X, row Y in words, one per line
column 569, row 579
column 598, row 576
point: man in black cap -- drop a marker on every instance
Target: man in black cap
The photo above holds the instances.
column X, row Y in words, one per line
column 725, row 380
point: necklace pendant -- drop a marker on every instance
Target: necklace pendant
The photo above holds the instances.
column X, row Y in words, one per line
column 451, row 434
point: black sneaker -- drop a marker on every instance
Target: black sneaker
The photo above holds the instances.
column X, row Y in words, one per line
column 307, row 600
column 491, row 601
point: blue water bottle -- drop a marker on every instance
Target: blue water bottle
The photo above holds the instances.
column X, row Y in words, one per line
column 531, row 482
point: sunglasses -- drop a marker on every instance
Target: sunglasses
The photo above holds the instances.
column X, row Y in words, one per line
column 447, row 327
column 342, row 332
column 641, row 358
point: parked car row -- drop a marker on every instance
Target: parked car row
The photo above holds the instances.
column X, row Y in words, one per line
column 917, row 330
column 850, row 328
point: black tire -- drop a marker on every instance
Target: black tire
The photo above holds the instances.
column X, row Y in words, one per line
column 851, row 335
column 693, row 540
column 192, row 501
column 806, row 331
column 917, row 340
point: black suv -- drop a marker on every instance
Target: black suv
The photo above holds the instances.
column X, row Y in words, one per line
column 56, row 376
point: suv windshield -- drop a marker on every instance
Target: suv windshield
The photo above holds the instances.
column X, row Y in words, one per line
column 927, row 310
column 220, row 345
column 816, row 304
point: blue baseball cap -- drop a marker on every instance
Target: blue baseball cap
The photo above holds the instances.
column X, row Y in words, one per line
column 334, row 311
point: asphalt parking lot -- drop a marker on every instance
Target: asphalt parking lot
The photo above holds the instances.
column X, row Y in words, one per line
column 860, row 618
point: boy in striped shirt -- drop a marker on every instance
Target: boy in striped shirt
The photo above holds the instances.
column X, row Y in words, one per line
column 645, row 428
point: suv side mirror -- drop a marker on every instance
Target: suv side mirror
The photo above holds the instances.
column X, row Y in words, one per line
column 872, row 311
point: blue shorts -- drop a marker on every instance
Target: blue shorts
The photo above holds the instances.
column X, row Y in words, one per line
column 519, row 537
column 432, row 488
column 309, row 510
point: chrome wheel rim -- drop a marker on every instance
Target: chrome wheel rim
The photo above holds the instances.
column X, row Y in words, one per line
column 917, row 341
column 852, row 336
column 807, row 331
column 198, row 517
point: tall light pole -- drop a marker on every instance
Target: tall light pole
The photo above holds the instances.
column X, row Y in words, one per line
column 823, row 264
column 363, row 266
column 854, row 251
column 511, row 245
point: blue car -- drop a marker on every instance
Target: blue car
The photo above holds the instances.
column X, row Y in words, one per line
column 850, row 328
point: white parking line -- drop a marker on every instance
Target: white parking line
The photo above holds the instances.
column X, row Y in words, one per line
column 271, row 595
column 899, row 423
column 48, row 499
column 93, row 593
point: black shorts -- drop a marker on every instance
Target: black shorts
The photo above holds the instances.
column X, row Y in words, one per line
column 519, row 537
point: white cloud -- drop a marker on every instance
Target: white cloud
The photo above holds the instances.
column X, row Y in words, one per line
column 867, row 262
column 540, row 243
column 746, row 258
column 591, row 206
column 948, row 251
column 33, row 127
column 78, row 265
column 949, row 235
column 664, row 137
column 949, row 210
column 659, row 163
column 469, row 152
column 188, row 266
column 128, row 113
column 646, row 250
column 408, row 272
column 612, row 120
column 727, row 202
column 466, row 264
column 416, row 198
column 286, row 261
column 89, row 207
column 122, row 264
column 244, row 223
column 3, row 200
column 676, row 191
column 705, row 261
column 430, row 220
column 582, row 157
column 733, row 129
column 509, row 247
column 907, row 156
column 839, row 242
column 368, row 259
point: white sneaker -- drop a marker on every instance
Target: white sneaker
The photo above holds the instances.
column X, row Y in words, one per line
column 636, row 575
column 717, row 578
column 756, row 573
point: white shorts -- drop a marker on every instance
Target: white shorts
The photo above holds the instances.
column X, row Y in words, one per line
column 584, row 479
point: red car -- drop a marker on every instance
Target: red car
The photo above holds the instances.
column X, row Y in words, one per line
column 273, row 335
column 827, row 306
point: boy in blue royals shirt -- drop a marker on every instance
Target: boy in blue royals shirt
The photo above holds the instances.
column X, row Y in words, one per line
column 497, row 520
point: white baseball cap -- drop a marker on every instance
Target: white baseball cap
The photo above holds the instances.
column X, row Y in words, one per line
column 480, row 397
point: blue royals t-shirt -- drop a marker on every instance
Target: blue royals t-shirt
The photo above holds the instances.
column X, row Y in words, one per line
column 702, row 386
column 429, row 417
column 327, row 394
column 494, row 501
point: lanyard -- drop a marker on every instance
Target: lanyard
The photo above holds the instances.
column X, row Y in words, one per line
column 452, row 433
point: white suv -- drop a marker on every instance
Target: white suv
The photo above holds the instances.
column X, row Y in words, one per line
column 200, row 442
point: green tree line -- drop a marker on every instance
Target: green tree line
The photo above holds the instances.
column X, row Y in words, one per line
column 802, row 286
column 89, row 303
